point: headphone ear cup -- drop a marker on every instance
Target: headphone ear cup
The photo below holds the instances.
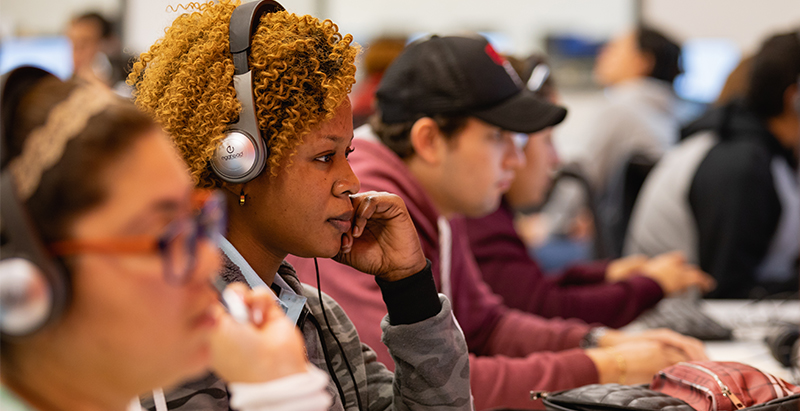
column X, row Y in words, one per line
column 26, row 297
column 239, row 157
column 34, row 289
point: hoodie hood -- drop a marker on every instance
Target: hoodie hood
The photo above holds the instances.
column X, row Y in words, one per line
column 734, row 122
column 380, row 169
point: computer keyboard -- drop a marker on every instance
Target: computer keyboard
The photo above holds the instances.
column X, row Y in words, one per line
column 684, row 315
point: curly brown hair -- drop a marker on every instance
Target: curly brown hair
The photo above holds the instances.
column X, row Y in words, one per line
column 302, row 70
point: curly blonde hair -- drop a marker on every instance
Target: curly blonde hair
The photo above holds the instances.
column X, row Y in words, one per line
column 302, row 70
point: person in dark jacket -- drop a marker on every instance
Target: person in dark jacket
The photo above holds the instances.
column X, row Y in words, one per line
column 612, row 293
column 728, row 195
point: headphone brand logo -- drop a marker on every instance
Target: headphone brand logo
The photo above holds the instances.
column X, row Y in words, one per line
column 229, row 149
column 232, row 156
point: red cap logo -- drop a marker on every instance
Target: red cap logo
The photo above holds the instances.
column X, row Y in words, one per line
column 494, row 55
column 500, row 61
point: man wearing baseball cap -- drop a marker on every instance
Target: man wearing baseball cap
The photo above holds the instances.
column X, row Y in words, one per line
column 453, row 116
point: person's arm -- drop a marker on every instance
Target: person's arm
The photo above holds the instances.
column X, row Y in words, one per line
column 505, row 382
column 734, row 202
column 590, row 273
column 511, row 273
column 519, row 334
column 427, row 346
column 298, row 392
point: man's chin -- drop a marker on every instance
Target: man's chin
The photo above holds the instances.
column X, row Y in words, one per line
column 483, row 210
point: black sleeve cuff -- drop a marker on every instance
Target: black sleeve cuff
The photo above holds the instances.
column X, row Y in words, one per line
column 412, row 299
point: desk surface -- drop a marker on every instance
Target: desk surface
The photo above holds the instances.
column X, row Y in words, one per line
column 751, row 321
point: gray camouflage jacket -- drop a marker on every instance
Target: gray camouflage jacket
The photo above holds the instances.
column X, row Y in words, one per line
column 432, row 365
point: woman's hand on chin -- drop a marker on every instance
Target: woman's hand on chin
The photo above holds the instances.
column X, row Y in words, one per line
column 382, row 241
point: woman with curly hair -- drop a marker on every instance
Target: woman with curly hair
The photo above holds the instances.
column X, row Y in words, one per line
column 305, row 202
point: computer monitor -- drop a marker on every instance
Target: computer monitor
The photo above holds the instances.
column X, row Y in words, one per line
column 52, row 53
column 707, row 62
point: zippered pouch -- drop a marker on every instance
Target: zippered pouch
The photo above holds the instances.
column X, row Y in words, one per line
column 720, row 386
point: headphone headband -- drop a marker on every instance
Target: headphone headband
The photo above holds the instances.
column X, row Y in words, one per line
column 244, row 22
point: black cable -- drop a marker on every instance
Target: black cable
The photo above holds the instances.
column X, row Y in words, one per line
column 344, row 356
column 327, row 358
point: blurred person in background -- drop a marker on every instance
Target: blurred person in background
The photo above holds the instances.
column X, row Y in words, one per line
column 611, row 293
column 88, row 34
column 728, row 195
column 95, row 195
column 377, row 57
column 97, row 54
column 636, row 124
column 637, row 69
column 735, row 86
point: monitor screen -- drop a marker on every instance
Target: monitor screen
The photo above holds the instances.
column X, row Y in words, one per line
column 53, row 53
column 707, row 62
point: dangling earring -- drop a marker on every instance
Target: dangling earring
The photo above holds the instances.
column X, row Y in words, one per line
column 241, row 198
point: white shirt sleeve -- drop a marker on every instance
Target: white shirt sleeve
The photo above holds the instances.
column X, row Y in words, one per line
column 298, row 392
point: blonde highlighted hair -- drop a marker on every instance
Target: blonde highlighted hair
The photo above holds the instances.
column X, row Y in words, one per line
column 302, row 70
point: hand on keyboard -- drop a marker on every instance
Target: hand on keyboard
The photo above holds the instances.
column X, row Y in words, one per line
column 674, row 275
column 686, row 317
column 691, row 348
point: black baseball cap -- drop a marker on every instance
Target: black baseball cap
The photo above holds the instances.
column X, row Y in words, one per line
column 461, row 76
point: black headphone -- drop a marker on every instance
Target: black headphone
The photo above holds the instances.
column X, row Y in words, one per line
column 34, row 288
column 242, row 155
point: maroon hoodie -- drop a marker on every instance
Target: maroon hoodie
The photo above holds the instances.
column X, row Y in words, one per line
column 579, row 292
column 513, row 352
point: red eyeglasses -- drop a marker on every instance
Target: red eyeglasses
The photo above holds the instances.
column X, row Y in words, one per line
column 177, row 246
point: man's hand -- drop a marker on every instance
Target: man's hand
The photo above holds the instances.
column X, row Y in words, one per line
column 623, row 268
column 674, row 275
column 691, row 348
column 634, row 362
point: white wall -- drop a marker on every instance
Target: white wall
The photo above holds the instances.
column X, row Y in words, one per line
column 745, row 22
column 147, row 19
column 47, row 17
column 525, row 22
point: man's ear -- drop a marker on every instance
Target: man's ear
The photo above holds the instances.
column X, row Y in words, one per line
column 646, row 63
column 427, row 140
column 791, row 99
